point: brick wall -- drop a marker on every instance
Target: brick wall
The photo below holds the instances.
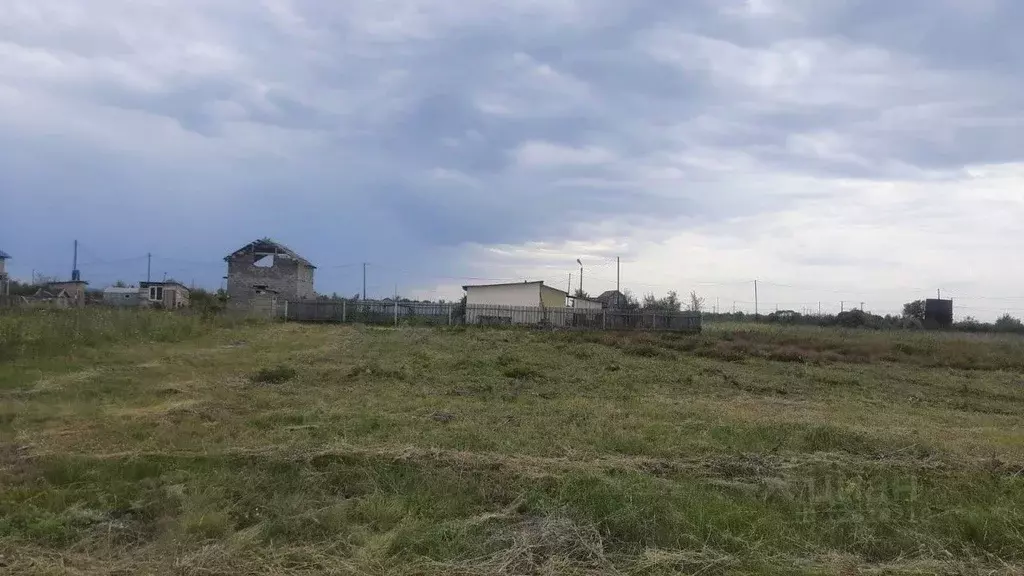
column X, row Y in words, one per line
column 290, row 279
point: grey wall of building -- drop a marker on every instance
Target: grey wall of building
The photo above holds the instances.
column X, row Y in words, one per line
column 121, row 299
column 290, row 279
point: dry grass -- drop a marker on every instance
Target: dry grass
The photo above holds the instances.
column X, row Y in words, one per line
column 788, row 451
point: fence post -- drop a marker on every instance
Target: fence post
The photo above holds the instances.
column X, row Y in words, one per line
column 449, row 314
column 344, row 311
column 604, row 320
column 286, row 310
column 396, row 310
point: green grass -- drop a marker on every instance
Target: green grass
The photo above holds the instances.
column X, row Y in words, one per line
column 274, row 448
column 41, row 333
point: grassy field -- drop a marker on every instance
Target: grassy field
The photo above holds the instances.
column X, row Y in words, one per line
column 283, row 448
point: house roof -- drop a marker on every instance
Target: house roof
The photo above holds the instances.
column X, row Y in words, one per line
column 609, row 294
column 120, row 290
column 268, row 246
column 4, row 255
column 65, row 282
column 168, row 283
column 535, row 282
column 585, row 299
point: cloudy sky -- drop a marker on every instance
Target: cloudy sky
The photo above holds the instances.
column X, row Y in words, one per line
column 836, row 150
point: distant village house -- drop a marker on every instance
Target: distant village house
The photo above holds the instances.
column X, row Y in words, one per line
column 73, row 290
column 511, row 303
column 613, row 300
column 52, row 296
column 124, row 297
column 264, row 274
column 169, row 294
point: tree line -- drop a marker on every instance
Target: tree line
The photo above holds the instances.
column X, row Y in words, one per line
column 912, row 318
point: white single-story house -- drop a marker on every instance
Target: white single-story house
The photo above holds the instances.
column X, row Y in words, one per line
column 585, row 303
column 512, row 303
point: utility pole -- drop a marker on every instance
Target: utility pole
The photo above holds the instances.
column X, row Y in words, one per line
column 819, row 307
column 842, row 305
column 618, row 275
column 939, row 293
column 718, row 304
column 165, row 276
column 578, row 261
column 74, row 265
column 756, row 310
column 364, row 280
column 861, row 306
column 149, row 266
column 568, row 287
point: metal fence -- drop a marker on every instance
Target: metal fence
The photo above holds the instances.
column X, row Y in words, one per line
column 372, row 312
column 583, row 318
column 429, row 313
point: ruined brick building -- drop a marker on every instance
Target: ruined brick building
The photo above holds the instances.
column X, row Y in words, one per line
column 262, row 275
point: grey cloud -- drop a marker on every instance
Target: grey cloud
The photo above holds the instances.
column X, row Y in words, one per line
column 704, row 111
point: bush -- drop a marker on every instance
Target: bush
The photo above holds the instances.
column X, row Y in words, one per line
column 277, row 375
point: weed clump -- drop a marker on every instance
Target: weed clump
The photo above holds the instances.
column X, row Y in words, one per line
column 522, row 372
column 276, row 375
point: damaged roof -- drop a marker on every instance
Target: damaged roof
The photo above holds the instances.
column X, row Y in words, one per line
column 265, row 246
column 4, row 255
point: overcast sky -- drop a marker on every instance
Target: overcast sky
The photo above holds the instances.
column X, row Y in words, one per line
column 837, row 150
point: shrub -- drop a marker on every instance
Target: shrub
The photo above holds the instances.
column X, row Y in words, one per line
column 276, row 375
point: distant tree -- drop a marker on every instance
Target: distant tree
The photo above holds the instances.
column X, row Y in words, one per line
column 914, row 310
column 120, row 284
column 631, row 302
column 1007, row 323
column 207, row 302
column 17, row 288
column 971, row 324
column 696, row 302
column 579, row 293
column 670, row 303
column 785, row 317
column 650, row 301
column 459, row 312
